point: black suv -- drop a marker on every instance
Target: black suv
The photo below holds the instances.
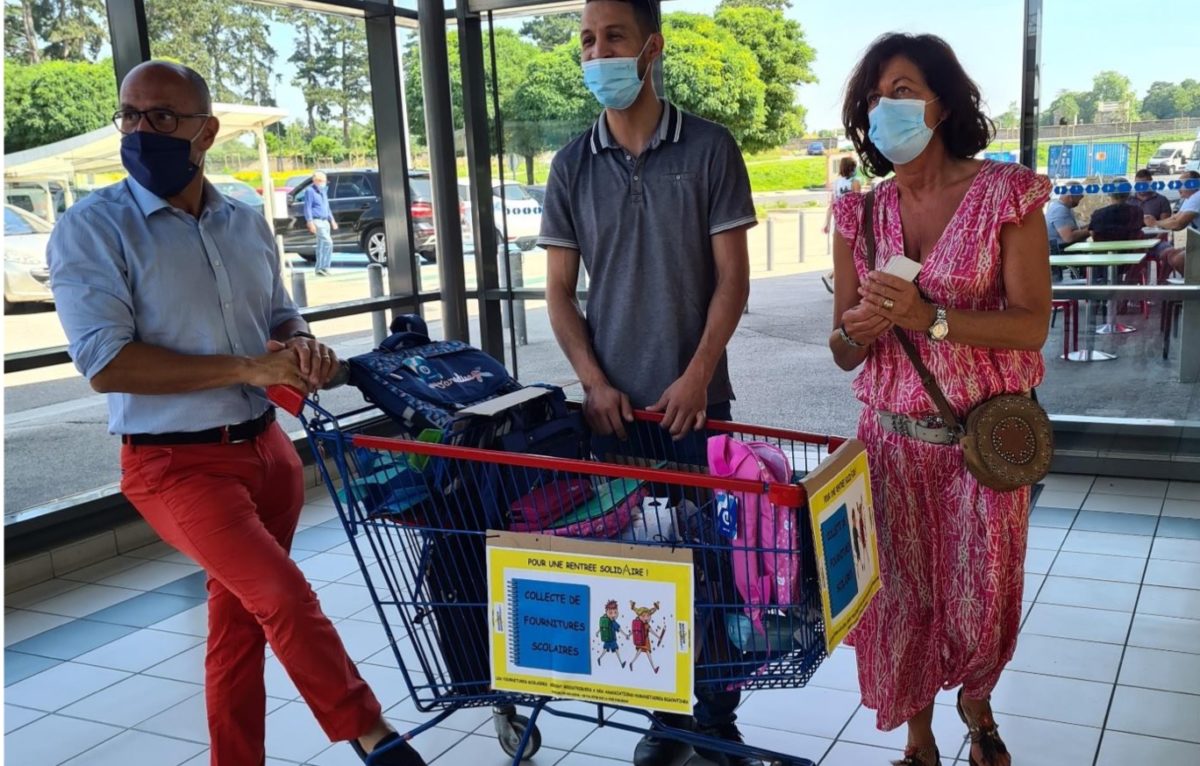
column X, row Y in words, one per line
column 354, row 198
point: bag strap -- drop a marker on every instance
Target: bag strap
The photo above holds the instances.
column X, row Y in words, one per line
column 914, row 356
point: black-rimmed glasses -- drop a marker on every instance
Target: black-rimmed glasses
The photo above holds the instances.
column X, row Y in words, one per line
column 161, row 120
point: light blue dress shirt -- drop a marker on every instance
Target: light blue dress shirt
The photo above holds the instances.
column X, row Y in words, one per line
column 126, row 266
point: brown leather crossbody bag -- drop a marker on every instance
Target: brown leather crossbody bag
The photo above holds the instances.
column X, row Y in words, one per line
column 1007, row 441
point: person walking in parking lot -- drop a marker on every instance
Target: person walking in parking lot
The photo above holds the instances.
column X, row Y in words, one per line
column 320, row 221
column 656, row 203
column 172, row 302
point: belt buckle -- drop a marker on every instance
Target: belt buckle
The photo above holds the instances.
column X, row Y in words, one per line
column 225, row 435
column 902, row 424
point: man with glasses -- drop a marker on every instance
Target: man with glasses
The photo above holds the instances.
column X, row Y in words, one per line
column 171, row 298
column 320, row 221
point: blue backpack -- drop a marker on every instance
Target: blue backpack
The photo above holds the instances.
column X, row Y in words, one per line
column 423, row 384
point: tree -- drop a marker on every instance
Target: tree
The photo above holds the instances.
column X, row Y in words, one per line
column 512, row 59
column 1114, row 88
column 53, row 100
column 770, row 5
column 305, row 66
column 1064, row 107
column 1010, row 119
column 1167, row 100
column 342, row 54
column 709, row 73
column 549, row 32
column 783, row 58
column 549, row 107
column 74, row 30
column 220, row 40
column 21, row 42
column 62, row 30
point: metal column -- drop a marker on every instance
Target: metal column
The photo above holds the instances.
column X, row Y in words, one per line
column 439, row 125
column 129, row 35
column 471, row 58
column 1031, row 67
column 383, row 55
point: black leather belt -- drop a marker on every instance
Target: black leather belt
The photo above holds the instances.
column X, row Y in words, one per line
column 224, row 435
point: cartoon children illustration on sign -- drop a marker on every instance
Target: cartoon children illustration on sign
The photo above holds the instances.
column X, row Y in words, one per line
column 642, row 632
column 609, row 629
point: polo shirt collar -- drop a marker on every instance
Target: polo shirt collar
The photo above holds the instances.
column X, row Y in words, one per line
column 150, row 203
column 670, row 130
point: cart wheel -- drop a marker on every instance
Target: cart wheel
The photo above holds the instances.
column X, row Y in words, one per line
column 510, row 740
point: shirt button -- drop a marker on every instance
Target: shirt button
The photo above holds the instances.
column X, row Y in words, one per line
column 226, row 304
column 635, row 178
column 217, row 264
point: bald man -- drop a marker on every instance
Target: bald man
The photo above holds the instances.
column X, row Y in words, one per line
column 171, row 298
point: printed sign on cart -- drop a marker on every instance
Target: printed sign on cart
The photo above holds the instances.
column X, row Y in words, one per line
column 843, row 524
column 599, row 622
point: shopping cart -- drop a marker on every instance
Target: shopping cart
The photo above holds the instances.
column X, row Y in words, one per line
column 418, row 514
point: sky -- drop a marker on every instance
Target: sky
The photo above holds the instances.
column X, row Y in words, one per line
column 1081, row 38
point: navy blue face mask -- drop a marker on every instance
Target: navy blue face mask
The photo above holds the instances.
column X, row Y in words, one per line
column 161, row 163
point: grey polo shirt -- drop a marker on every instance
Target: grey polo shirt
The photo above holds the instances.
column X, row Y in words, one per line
column 643, row 227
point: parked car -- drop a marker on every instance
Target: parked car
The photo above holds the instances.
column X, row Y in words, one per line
column 354, row 196
column 238, row 190
column 26, row 276
column 281, row 191
column 816, row 149
column 538, row 192
column 523, row 210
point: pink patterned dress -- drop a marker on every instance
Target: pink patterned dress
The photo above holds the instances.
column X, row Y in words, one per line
column 951, row 551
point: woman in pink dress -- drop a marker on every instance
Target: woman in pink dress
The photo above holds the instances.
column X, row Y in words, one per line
column 951, row 550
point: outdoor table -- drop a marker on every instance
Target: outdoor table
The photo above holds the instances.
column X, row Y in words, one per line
column 1090, row 261
column 1112, row 326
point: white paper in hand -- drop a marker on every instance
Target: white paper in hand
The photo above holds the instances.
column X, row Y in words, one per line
column 903, row 267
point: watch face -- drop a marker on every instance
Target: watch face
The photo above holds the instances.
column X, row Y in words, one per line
column 940, row 330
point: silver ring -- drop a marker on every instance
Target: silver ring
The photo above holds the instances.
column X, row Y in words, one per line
column 888, row 304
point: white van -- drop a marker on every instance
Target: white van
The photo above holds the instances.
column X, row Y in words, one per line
column 1193, row 162
column 1171, row 158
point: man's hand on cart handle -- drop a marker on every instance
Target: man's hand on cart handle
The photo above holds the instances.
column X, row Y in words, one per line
column 291, row 399
column 607, row 410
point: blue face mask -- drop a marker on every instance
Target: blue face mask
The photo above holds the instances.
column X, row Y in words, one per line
column 614, row 82
column 898, row 129
column 159, row 162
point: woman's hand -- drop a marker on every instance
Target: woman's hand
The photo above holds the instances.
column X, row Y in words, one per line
column 863, row 325
column 897, row 300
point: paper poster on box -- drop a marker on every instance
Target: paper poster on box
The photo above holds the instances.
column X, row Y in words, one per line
column 599, row 622
column 846, row 546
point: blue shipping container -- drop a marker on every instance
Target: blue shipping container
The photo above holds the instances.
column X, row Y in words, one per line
column 1084, row 160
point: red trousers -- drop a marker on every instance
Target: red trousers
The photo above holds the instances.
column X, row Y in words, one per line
column 233, row 508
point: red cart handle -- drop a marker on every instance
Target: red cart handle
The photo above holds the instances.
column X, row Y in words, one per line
column 289, row 399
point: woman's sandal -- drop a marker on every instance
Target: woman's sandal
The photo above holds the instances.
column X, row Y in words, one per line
column 915, row 756
column 985, row 734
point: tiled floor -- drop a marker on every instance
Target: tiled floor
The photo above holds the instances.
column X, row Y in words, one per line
column 105, row 666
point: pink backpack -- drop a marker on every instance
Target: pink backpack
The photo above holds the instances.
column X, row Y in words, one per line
column 766, row 556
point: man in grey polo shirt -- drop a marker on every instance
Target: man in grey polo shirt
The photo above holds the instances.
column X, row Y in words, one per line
column 656, row 203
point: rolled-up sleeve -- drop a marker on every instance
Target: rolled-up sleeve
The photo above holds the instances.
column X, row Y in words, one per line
column 558, row 225
column 91, row 290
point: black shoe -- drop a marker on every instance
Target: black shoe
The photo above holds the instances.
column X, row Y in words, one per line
column 729, row 732
column 653, row 750
column 402, row 754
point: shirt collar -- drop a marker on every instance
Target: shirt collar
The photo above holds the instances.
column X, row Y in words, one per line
column 150, row 203
column 670, row 129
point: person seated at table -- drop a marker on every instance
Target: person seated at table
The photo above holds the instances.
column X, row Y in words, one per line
column 1063, row 228
column 1153, row 204
column 1188, row 217
column 1119, row 221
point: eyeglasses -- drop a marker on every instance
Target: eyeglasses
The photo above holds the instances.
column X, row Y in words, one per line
column 161, row 120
